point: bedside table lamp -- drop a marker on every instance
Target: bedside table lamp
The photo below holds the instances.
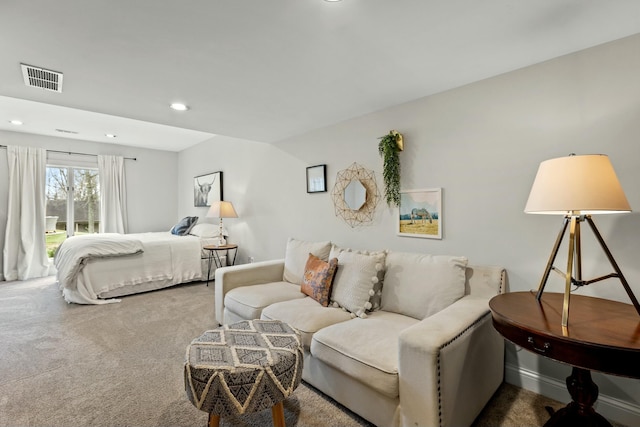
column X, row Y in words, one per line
column 577, row 187
column 221, row 210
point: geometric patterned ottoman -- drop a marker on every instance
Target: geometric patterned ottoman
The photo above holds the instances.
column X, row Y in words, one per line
column 243, row 367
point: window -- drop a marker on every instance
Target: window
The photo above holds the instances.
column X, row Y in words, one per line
column 72, row 204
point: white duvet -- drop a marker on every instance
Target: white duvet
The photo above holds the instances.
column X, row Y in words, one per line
column 92, row 268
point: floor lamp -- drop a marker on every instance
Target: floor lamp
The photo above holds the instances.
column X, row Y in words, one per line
column 578, row 187
column 221, row 210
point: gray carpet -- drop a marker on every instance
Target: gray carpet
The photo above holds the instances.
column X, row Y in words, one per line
column 121, row 365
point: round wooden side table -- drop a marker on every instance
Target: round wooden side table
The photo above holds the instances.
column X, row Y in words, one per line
column 602, row 335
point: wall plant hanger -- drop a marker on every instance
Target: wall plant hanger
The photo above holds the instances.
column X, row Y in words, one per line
column 389, row 148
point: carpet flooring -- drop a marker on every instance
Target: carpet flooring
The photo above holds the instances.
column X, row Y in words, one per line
column 121, row 365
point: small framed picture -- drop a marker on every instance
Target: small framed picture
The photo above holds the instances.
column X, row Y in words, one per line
column 207, row 188
column 317, row 179
column 420, row 213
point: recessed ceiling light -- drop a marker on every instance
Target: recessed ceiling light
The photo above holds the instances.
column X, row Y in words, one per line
column 179, row 106
column 332, row 1
column 15, row 122
column 109, row 135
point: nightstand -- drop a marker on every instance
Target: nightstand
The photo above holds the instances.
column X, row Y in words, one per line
column 215, row 256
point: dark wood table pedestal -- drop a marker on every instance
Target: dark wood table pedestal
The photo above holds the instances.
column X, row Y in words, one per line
column 579, row 412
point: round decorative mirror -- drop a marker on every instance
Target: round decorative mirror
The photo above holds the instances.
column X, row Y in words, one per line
column 355, row 195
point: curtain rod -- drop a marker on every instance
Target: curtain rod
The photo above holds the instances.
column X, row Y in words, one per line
column 79, row 154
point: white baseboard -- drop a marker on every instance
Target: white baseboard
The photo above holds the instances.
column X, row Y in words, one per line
column 609, row 407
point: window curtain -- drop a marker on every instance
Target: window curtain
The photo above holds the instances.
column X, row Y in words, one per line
column 113, row 195
column 25, row 252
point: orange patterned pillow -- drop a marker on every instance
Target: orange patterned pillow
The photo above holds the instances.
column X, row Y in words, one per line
column 318, row 278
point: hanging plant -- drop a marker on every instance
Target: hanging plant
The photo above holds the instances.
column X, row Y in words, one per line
column 389, row 148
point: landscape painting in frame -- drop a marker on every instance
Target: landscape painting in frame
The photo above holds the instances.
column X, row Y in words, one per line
column 420, row 213
column 207, row 188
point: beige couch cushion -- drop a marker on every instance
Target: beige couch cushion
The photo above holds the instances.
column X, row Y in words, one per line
column 306, row 315
column 296, row 255
column 355, row 278
column 248, row 301
column 365, row 349
column 419, row 285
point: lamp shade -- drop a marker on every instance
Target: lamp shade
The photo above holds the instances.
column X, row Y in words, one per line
column 222, row 210
column 586, row 184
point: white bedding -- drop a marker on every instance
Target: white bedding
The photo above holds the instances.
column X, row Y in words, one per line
column 166, row 260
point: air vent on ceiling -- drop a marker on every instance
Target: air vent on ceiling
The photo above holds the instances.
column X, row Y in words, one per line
column 66, row 131
column 42, row 78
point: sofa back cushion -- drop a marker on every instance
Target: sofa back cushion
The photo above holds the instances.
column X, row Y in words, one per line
column 318, row 278
column 357, row 274
column 296, row 255
column 419, row 285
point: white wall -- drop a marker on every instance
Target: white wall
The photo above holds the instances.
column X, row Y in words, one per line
column 151, row 179
column 482, row 144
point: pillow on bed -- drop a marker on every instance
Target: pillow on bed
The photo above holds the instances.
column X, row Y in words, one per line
column 207, row 230
column 184, row 226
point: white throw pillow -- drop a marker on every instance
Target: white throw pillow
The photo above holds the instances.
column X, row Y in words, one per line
column 207, row 230
column 355, row 278
column 296, row 256
column 420, row 285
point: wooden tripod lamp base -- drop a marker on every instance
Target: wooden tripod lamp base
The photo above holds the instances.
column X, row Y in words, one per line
column 577, row 187
column 574, row 259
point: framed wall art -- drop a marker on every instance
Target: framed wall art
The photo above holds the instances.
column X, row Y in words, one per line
column 317, row 179
column 355, row 195
column 207, row 188
column 420, row 213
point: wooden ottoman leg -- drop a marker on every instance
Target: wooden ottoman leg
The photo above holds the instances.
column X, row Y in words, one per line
column 214, row 420
column 277, row 412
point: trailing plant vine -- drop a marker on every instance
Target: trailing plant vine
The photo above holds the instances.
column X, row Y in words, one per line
column 389, row 150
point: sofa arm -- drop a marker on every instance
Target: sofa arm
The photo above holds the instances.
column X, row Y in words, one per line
column 450, row 364
column 228, row 278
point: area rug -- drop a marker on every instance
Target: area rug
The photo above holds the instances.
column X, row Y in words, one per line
column 122, row 365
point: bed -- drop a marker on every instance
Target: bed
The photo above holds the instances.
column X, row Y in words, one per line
column 99, row 268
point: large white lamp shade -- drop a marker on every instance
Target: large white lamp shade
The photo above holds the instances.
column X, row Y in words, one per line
column 586, row 184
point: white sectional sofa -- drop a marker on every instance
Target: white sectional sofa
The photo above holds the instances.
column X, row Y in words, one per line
column 420, row 351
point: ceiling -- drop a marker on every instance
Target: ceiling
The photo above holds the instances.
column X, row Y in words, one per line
column 266, row 70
